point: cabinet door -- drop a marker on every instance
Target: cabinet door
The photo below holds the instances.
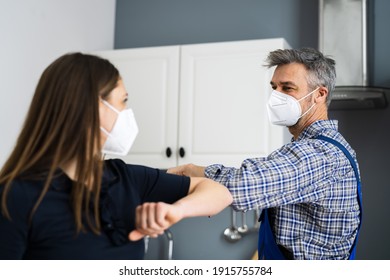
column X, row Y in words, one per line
column 151, row 79
column 224, row 88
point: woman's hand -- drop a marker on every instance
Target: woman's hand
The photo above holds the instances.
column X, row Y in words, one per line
column 153, row 218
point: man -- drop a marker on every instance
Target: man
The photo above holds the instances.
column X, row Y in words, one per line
column 309, row 188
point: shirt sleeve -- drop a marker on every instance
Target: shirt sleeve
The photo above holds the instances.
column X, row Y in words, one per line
column 157, row 185
column 295, row 173
column 14, row 232
column 167, row 187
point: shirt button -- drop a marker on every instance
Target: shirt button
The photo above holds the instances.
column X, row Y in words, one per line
column 109, row 226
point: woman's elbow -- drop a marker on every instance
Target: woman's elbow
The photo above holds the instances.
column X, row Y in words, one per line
column 229, row 197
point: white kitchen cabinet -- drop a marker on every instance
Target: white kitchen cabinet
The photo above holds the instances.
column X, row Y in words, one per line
column 206, row 103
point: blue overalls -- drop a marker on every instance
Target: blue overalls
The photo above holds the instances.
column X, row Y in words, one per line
column 267, row 247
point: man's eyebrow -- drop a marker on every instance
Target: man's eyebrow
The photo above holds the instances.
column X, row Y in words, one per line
column 287, row 83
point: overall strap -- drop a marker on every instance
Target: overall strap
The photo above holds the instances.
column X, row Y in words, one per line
column 266, row 246
column 359, row 191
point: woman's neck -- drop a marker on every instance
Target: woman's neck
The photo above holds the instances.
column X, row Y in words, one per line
column 70, row 169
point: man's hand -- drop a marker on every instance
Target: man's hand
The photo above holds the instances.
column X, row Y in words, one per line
column 190, row 170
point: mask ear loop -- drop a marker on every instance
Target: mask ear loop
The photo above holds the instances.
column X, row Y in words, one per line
column 109, row 106
column 113, row 109
column 308, row 110
column 102, row 128
column 308, row 94
column 105, row 131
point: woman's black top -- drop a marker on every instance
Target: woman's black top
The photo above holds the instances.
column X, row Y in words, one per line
column 51, row 233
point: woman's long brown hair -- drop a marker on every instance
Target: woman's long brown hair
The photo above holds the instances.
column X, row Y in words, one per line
column 62, row 125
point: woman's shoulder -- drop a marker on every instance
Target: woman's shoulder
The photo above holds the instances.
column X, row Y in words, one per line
column 21, row 196
column 139, row 175
column 118, row 165
column 21, row 187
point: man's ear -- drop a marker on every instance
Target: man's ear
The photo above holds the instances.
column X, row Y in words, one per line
column 321, row 95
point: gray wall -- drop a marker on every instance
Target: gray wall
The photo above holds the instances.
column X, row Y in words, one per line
column 368, row 132
column 379, row 58
column 143, row 23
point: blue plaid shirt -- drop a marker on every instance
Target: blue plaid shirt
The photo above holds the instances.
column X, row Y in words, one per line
column 311, row 189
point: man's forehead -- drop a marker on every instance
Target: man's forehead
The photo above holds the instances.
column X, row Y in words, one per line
column 289, row 74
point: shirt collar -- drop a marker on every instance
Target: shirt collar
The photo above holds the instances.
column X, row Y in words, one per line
column 317, row 128
column 109, row 175
column 60, row 181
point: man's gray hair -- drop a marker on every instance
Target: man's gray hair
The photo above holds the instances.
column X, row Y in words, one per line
column 321, row 68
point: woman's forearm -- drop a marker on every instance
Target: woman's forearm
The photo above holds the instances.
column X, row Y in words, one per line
column 205, row 198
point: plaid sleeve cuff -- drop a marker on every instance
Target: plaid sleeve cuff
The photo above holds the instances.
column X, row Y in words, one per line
column 213, row 171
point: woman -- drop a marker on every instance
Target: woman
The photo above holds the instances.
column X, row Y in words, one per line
column 61, row 200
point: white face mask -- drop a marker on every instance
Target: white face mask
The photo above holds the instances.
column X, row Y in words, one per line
column 123, row 133
column 284, row 109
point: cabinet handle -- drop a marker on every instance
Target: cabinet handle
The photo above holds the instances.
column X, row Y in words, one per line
column 168, row 152
column 182, row 152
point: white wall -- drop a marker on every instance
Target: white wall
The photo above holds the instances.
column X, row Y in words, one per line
column 32, row 35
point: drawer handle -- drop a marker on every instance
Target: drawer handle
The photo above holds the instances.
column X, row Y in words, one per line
column 168, row 152
column 182, row 152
